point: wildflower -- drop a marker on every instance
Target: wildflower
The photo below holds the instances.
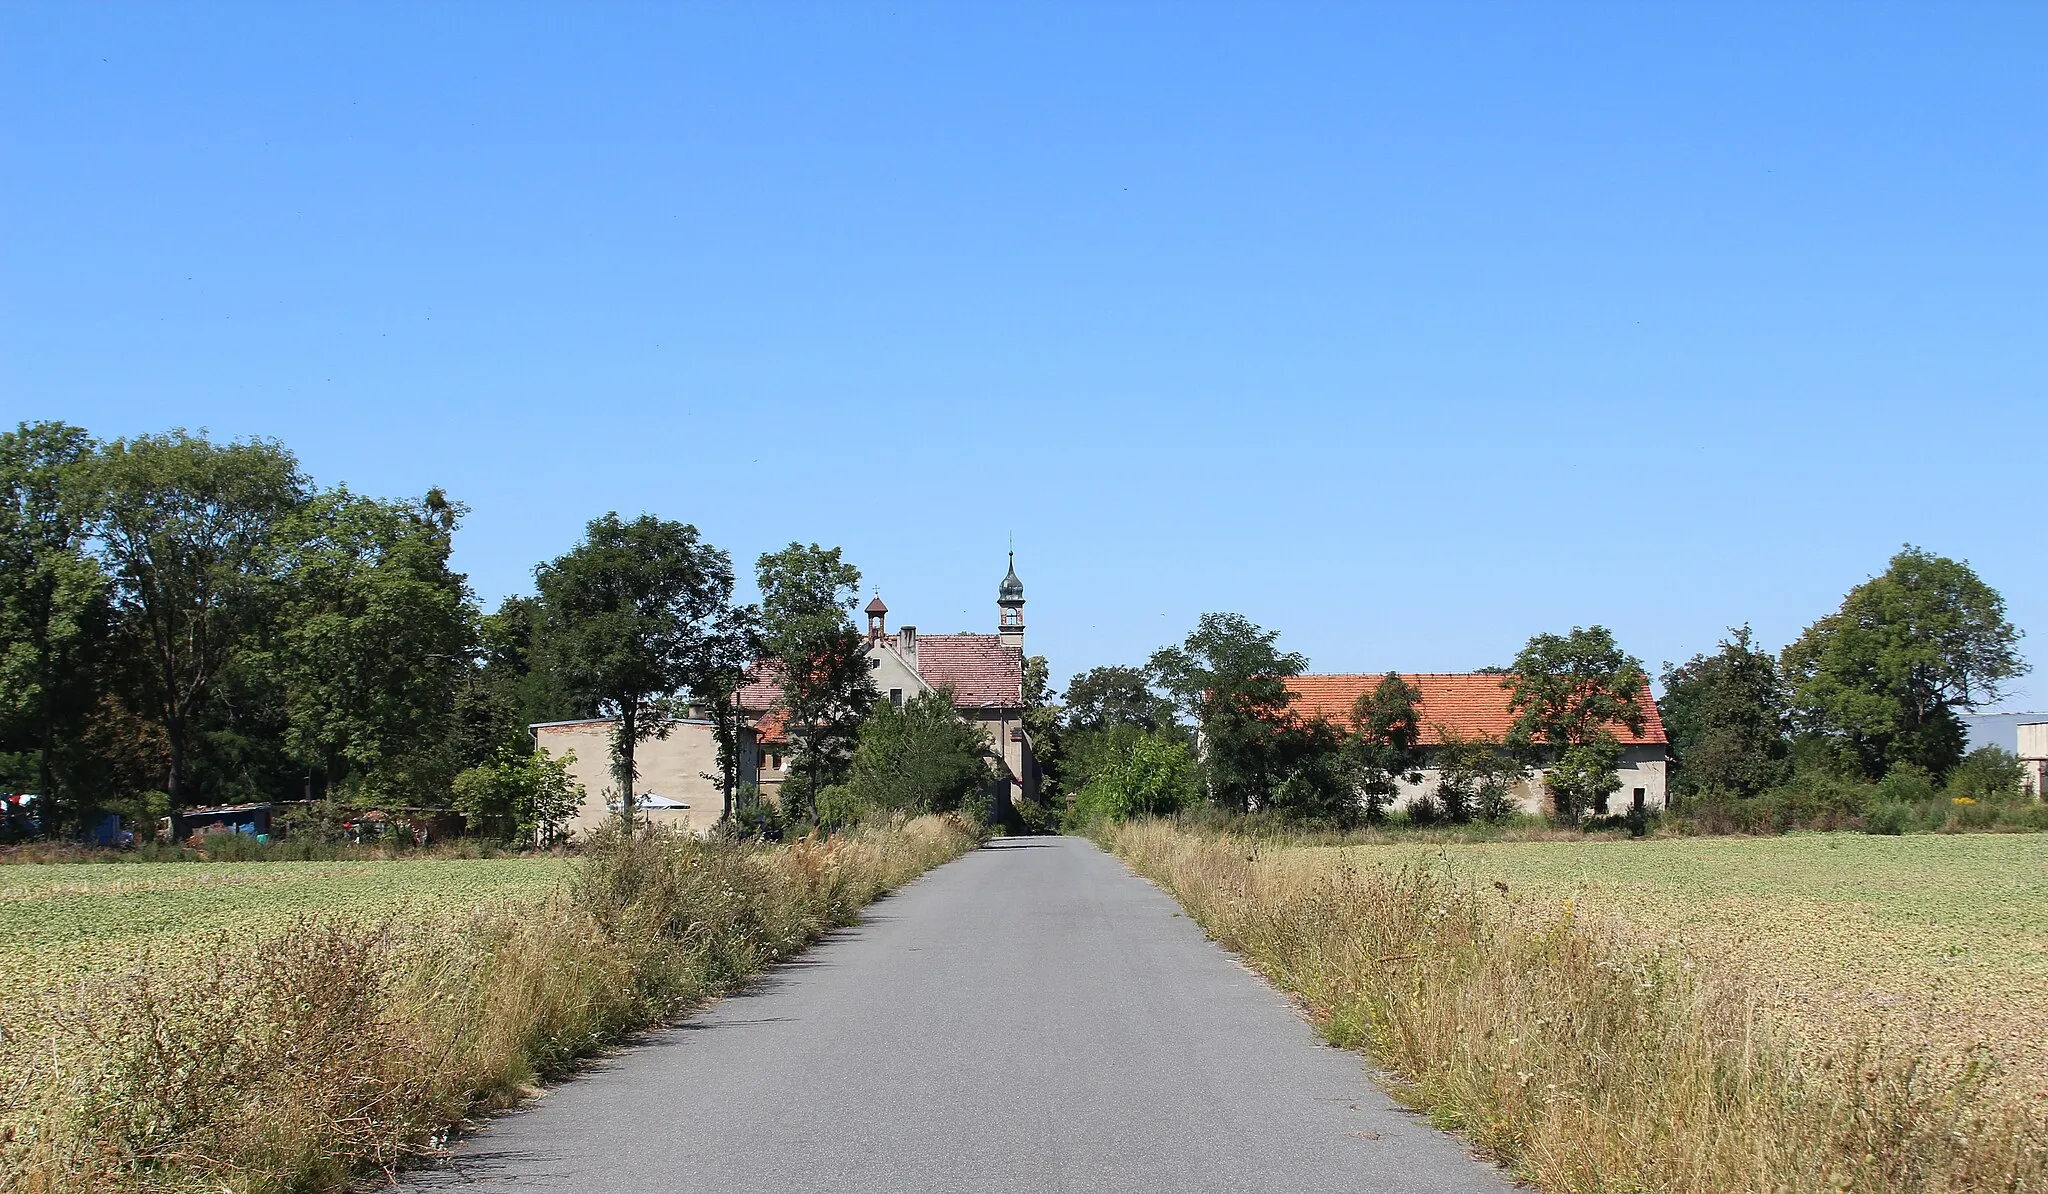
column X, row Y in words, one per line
column 1963, row 800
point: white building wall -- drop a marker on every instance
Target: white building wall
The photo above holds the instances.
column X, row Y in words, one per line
column 1644, row 768
column 2033, row 744
column 676, row 767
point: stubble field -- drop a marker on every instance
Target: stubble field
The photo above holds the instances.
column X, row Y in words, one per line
column 60, row 922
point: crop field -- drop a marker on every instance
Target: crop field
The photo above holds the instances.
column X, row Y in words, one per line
column 61, row 921
column 1933, row 941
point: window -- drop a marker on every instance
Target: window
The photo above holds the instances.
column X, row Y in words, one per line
column 775, row 762
column 896, row 697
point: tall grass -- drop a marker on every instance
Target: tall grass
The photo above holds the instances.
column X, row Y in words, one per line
column 1582, row 1061
column 339, row 1045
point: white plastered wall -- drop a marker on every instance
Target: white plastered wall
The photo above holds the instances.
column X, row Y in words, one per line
column 675, row 766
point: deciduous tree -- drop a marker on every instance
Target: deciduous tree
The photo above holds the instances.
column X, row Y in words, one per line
column 631, row 614
column 1567, row 693
column 188, row 529
column 1887, row 674
column 1726, row 717
column 1102, row 697
column 807, row 599
column 373, row 633
column 53, row 600
column 1231, row 681
column 1384, row 748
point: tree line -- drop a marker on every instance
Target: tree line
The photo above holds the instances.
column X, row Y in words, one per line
column 1860, row 716
column 188, row 623
column 1862, row 712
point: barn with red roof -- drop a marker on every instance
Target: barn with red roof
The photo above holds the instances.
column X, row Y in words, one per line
column 1474, row 707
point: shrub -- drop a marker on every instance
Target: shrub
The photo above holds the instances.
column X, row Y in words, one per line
column 1907, row 783
column 1155, row 776
column 1989, row 773
column 519, row 798
column 1889, row 817
column 919, row 758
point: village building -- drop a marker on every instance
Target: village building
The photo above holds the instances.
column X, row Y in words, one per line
column 678, row 773
column 2033, row 753
column 985, row 673
column 678, row 782
column 1473, row 706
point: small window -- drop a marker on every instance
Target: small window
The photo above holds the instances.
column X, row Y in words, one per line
column 896, row 697
column 774, row 762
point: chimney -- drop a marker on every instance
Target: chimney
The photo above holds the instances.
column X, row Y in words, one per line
column 906, row 645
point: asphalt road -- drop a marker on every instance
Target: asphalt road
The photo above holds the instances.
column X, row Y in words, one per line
column 1029, row 1018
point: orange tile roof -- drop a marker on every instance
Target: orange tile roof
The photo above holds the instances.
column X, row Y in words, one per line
column 773, row 727
column 1469, row 704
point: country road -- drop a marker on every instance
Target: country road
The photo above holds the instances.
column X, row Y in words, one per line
column 1029, row 1018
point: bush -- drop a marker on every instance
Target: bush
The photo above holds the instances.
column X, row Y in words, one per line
column 753, row 817
column 1907, row 783
column 1989, row 773
column 1889, row 817
column 920, row 758
column 1037, row 816
column 519, row 798
column 1155, row 776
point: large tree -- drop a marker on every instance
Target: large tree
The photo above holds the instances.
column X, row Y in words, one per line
column 807, row 600
column 373, row 634
column 1385, row 745
column 630, row 617
column 1886, row 675
column 733, row 646
column 1231, row 681
column 509, row 685
column 188, row 529
column 1726, row 717
column 1568, row 692
column 53, row 599
column 1114, row 695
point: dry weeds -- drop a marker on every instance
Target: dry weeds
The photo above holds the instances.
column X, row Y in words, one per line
column 1587, row 1061
column 343, row 1044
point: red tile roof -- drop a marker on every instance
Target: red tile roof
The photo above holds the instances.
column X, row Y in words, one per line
column 981, row 670
column 772, row 728
column 763, row 687
column 1469, row 704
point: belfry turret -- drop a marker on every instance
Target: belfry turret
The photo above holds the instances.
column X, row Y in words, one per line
column 1010, row 599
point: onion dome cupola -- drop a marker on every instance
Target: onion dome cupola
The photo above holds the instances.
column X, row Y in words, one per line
column 1010, row 597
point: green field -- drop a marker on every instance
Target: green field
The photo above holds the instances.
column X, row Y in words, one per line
column 1933, row 939
column 59, row 921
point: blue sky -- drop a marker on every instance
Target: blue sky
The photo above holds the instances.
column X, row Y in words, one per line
column 1407, row 330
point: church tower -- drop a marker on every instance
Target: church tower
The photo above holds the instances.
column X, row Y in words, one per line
column 1010, row 598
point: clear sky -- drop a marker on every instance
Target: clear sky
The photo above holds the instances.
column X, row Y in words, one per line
column 1407, row 330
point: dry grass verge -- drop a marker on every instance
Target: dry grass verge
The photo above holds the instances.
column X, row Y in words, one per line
column 340, row 1045
column 1583, row 1061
